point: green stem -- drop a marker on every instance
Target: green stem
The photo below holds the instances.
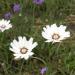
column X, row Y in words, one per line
column 33, row 13
column 40, row 60
column 20, row 72
column 58, row 47
column 5, row 69
column 21, row 3
column 50, row 48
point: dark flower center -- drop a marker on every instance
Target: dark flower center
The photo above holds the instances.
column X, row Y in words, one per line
column 2, row 26
column 55, row 36
column 23, row 50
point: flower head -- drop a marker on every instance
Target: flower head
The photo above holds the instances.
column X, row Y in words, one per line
column 4, row 25
column 23, row 47
column 16, row 7
column 38, row 1
column 7, row 15
column 43, row 70
column 55, row 34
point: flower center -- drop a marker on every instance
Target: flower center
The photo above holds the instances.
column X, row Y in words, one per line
column 55, row 36
column 2, row 26
column 23, row 50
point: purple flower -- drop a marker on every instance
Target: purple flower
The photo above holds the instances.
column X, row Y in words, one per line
column 43, row 70
column 16, row 7
column 7, row 15
column 38, row 1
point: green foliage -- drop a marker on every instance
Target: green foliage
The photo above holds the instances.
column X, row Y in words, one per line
column 59, row 59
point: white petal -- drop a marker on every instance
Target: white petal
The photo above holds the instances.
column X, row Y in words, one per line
column 15, row 47
column 67, row 34
column 30, row 53
column 62, row 27
column 44, row 29
column 56, row 41
column 47, row 26
column 46, row 36
column 30, row 41
column 20, row 38
column 15, row 43
column 34, row 45
column 26, row 57
column 21, row 42
column 24, row 39
column 17, row 56
column 53, row 26
column 15, row 50
column 50, row 40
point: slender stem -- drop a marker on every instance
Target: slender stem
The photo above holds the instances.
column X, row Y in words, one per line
column 40, row 60
column 50, row 48
column 2, row 37
column 21, row 3
column 61, row 71
column 5, row 69
column 33, row 13
column 58, row 47
column 21, row 68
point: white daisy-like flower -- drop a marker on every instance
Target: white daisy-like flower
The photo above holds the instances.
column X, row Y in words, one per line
column 5, row 25
column 23, row 47
column 55, row 34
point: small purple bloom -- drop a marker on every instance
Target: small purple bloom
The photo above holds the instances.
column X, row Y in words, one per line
column 43, row 70
column 16, row 7
column 38, row 1
column 7, row 15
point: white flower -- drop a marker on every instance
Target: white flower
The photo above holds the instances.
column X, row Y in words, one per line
column 4, row 25
column 22, row 48
column 55, row 34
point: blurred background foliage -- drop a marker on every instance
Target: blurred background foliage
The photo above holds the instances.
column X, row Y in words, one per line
column 29, row 22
